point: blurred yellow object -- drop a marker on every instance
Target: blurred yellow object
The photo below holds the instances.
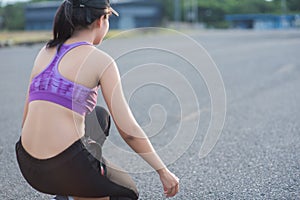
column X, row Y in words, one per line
column 10, row 38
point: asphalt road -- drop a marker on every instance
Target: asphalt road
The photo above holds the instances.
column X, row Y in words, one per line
column 257, row 155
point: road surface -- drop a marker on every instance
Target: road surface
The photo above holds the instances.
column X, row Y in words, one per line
column 257, row 155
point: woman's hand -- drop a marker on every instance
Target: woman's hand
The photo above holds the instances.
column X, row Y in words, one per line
column 170, row 182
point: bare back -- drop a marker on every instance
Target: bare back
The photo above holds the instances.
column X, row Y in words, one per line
column 50, row 128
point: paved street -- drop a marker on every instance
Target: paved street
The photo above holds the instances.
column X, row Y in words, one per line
column 256, row 156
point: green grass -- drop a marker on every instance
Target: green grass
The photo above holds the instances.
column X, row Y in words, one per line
column 31, row 37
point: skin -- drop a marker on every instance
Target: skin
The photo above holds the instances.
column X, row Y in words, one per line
column 48, row 128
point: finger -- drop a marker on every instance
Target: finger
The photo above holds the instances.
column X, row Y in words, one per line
column 177, row 188
column 168, row 192
column 167, row 189
column 172, row 192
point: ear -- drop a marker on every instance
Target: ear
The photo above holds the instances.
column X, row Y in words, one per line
column 98, row 23
column 100, row 20
column 103, row 18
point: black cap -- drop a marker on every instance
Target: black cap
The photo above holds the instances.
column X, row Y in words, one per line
column 98, row 4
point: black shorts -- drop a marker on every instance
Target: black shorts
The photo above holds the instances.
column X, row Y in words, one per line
column 75, row 172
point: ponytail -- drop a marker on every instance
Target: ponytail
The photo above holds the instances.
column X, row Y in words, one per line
column 63, row 27
column 72, row 15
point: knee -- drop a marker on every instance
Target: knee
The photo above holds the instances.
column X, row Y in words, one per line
column 103, row 118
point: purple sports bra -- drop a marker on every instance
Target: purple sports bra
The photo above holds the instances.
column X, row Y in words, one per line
column 50, row 85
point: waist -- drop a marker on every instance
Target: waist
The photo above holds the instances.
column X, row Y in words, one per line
column 49, row 117
column 68, row 153
column 49, row 128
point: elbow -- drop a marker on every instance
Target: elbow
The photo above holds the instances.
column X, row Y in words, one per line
column 131, row 133
column 128, row 138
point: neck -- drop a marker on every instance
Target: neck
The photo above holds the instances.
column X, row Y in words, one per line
column 85, row 35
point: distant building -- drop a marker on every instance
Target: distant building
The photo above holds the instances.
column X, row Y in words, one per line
column 133, row 14
column 39, row 16
column 136, row 13
column 262, row 21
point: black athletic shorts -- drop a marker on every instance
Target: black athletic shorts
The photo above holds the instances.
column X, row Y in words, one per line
column 75, row 172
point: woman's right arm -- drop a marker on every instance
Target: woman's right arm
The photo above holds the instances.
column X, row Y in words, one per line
column 129, row 129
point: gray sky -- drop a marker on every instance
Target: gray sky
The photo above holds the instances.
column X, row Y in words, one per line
column 4, row 2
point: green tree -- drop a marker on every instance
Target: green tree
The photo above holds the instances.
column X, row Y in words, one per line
column 13, row 16
column 293, row 5
column 212, row 12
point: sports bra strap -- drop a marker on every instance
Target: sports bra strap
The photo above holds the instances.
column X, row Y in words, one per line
column 65, row 48
column 51, row 86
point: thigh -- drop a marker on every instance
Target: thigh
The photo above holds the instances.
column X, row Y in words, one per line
column 74, row 172
column 119, row 176
column 93, row 184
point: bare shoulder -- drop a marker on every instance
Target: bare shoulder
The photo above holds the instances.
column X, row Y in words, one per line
column 41, row 51
column 101, row 56
column 46, row 49
column 101, row 59
column 44, row 52
column 42, row 58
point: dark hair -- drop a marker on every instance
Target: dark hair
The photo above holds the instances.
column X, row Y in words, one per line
column 69, row 17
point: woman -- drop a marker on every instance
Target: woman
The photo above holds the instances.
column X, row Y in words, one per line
column 64, row 81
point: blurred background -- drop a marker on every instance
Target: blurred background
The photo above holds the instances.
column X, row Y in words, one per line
column 37, row 16
column 255, row 45
column 256, row 14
